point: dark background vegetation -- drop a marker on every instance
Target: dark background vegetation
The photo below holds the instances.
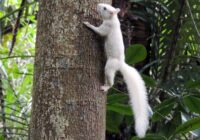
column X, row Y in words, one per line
column 162, row 40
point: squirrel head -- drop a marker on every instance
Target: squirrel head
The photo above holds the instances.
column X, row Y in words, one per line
column 106, row 11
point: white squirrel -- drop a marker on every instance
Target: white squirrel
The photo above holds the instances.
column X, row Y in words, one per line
column 114, row 48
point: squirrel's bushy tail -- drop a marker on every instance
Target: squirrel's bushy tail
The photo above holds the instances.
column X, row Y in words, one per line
column 138, row 98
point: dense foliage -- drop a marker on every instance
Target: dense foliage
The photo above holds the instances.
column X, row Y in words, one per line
column 172, row 73
column 17, row 69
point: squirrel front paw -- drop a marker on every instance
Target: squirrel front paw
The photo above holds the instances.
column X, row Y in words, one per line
column 104, row 88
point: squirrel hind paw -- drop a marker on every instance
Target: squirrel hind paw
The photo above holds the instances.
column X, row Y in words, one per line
column 86, row 23
column 104, row 88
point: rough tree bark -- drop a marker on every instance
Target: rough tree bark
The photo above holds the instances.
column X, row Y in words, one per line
column 67, row 102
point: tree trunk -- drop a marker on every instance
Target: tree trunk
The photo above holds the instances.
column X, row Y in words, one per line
column 67, row 101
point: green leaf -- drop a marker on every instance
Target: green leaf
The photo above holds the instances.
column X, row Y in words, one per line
column 192, row 103
column 113, row 121
column 193, row 84
column 128, row 120
column 116, row 98
column 151, row 137
column 120, row 108
column 135, row 53
column 2, row 137
column 150, row 82
column 1, row 14
column 163, row 109
column 167, row 129
column 189, row 126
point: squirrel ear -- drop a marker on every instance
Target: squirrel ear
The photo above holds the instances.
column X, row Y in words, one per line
column 117, row 10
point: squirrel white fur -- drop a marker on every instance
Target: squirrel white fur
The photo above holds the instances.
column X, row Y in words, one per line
column 114, row 48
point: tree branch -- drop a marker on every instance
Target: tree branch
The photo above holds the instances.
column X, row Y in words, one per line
column 173, row 46
column 16, row 26
column 2, row 110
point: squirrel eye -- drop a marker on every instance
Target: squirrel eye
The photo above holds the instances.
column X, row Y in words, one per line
column 104, row 8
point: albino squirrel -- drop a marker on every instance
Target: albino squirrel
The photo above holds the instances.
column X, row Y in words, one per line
column 114, row 48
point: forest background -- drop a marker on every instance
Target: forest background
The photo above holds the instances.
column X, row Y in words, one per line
column 162, row 40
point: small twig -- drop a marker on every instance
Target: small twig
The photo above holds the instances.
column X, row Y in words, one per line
column 22, row 56
column 9, row 28
column 16, row 26
column 150, row 64
column 192, row 17
column 23, row 135
column 119, row 91
column 27, row 74
column 15, row 110
column 7, row 118
column 17, row 117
